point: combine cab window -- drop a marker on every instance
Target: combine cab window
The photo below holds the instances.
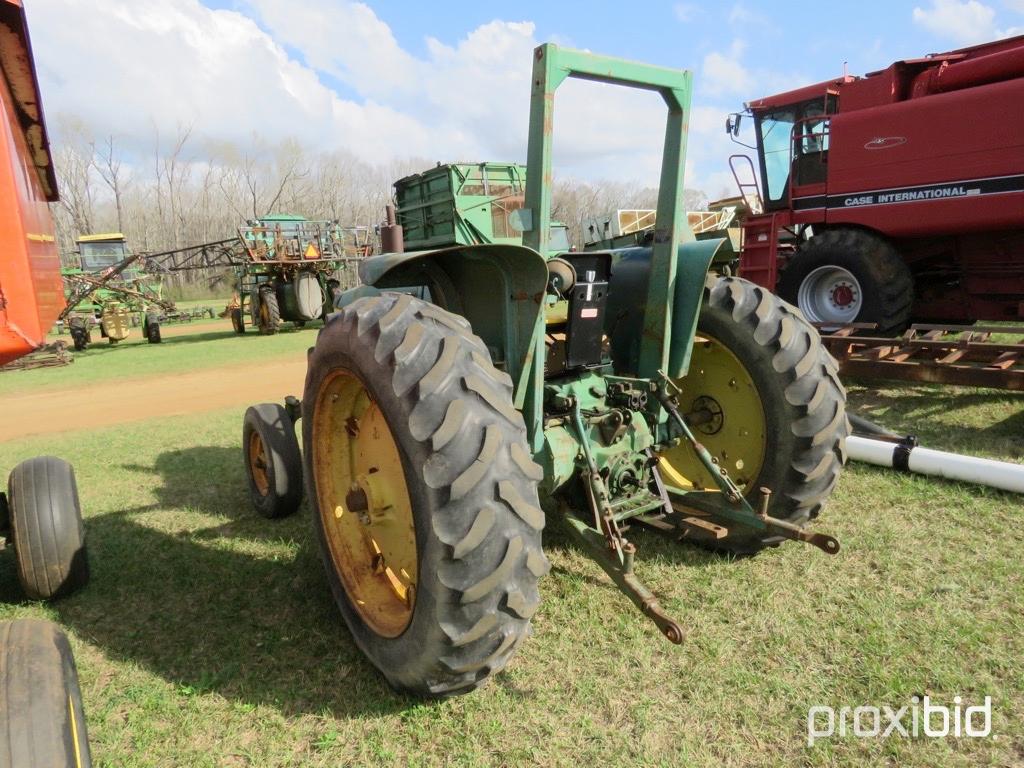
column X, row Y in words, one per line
column 775, row 131
column 98, row 256
column 794, row 141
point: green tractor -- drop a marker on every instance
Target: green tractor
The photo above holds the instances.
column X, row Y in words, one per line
column 107, row 290
column 466, row 394
column 292, row 269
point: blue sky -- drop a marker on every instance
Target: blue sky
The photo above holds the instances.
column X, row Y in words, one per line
column 449, row 80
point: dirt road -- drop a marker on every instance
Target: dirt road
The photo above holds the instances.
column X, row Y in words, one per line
column 116, row 402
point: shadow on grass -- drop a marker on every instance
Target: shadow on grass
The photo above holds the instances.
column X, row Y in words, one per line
column 919, row 409
column 215, row 609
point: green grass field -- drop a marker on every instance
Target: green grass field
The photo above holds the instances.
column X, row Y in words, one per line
column 208, row 637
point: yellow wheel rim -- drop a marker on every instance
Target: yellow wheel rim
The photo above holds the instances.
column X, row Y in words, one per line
column 721, row 401
column 258, row 463
column 364, row 504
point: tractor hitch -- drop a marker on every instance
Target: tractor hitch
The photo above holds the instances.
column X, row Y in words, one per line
column 735, row 508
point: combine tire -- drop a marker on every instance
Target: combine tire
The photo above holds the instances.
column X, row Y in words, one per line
column 272, row 460
column 238, row 320
column 269, row 313
column 847, row 275
column 424, row 493
column 766, row 400
column 151, row 328
column 46, row 528
column 44, row 724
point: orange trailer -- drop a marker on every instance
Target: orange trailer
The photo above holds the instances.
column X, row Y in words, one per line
column 31, row 292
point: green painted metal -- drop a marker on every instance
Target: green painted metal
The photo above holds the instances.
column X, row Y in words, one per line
column 551, row 67
column 466, row 204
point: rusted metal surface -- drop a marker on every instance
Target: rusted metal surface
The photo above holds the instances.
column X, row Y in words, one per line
column 940, row 354
column 50, row 356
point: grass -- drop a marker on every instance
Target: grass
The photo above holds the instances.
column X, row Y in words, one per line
column 135, row 358
column 207, row 636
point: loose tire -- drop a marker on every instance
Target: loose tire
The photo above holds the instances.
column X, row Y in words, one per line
column 405, row 419
column 777, row 408
column 238, row 320
column 151, row 327
column 847, row 275
column 45, row 723
column 46, row 528
column 268, row 312
column 272, row 460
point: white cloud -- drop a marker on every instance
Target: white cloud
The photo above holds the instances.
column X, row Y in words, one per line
column 686, row 12
column 965, row 22
column 723, row 73
column 146, row 65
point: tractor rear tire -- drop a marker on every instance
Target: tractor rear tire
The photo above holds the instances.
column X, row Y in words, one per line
column 407, row 384
column 151, row 328
column 268, row 312
column 272, row 461
column 784, row 394
column 43, row 723
column 46, row 528
column 238, row 320
column 876, row 283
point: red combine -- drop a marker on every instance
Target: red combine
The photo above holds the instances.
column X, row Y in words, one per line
column 893, row 197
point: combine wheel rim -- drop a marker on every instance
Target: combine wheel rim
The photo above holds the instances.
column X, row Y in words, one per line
column 830, row 294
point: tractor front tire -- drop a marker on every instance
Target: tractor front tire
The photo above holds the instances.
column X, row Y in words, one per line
column 43, row 723
column 268, row 313
column 238, row 320
column 778, row 410
column 424, row 493
column 272, row 460
column 844, row 276
column 46, row 528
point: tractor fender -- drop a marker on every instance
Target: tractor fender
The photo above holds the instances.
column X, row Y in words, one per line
column 624, row 320
column 500, row 289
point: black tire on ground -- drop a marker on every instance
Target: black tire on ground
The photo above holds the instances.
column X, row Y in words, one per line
column 268, row 312
column 46, row 528
column 79, row 333
column 885, row 280
column 238, row 320
column 300, row 323
column 804, row 402
column 45, row 722
column 151, row 327
column 471, row 483
column 272, row 461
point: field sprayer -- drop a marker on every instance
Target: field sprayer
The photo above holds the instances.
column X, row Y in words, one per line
column 292, row 268
column 109, row 288
column 41, row 720
column 443, row 420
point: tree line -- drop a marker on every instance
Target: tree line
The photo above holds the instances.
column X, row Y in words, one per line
column 182, row 189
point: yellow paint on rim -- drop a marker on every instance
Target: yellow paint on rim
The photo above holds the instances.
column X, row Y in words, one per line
column 364, row 503
column 258, row 463
column 719, row 384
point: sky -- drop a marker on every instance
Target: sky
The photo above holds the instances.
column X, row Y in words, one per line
column 449, row 81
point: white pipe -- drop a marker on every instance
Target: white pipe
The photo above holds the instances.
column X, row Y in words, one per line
column 969, row 469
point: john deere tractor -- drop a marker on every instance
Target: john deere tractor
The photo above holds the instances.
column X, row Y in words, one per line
column 465, row 395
